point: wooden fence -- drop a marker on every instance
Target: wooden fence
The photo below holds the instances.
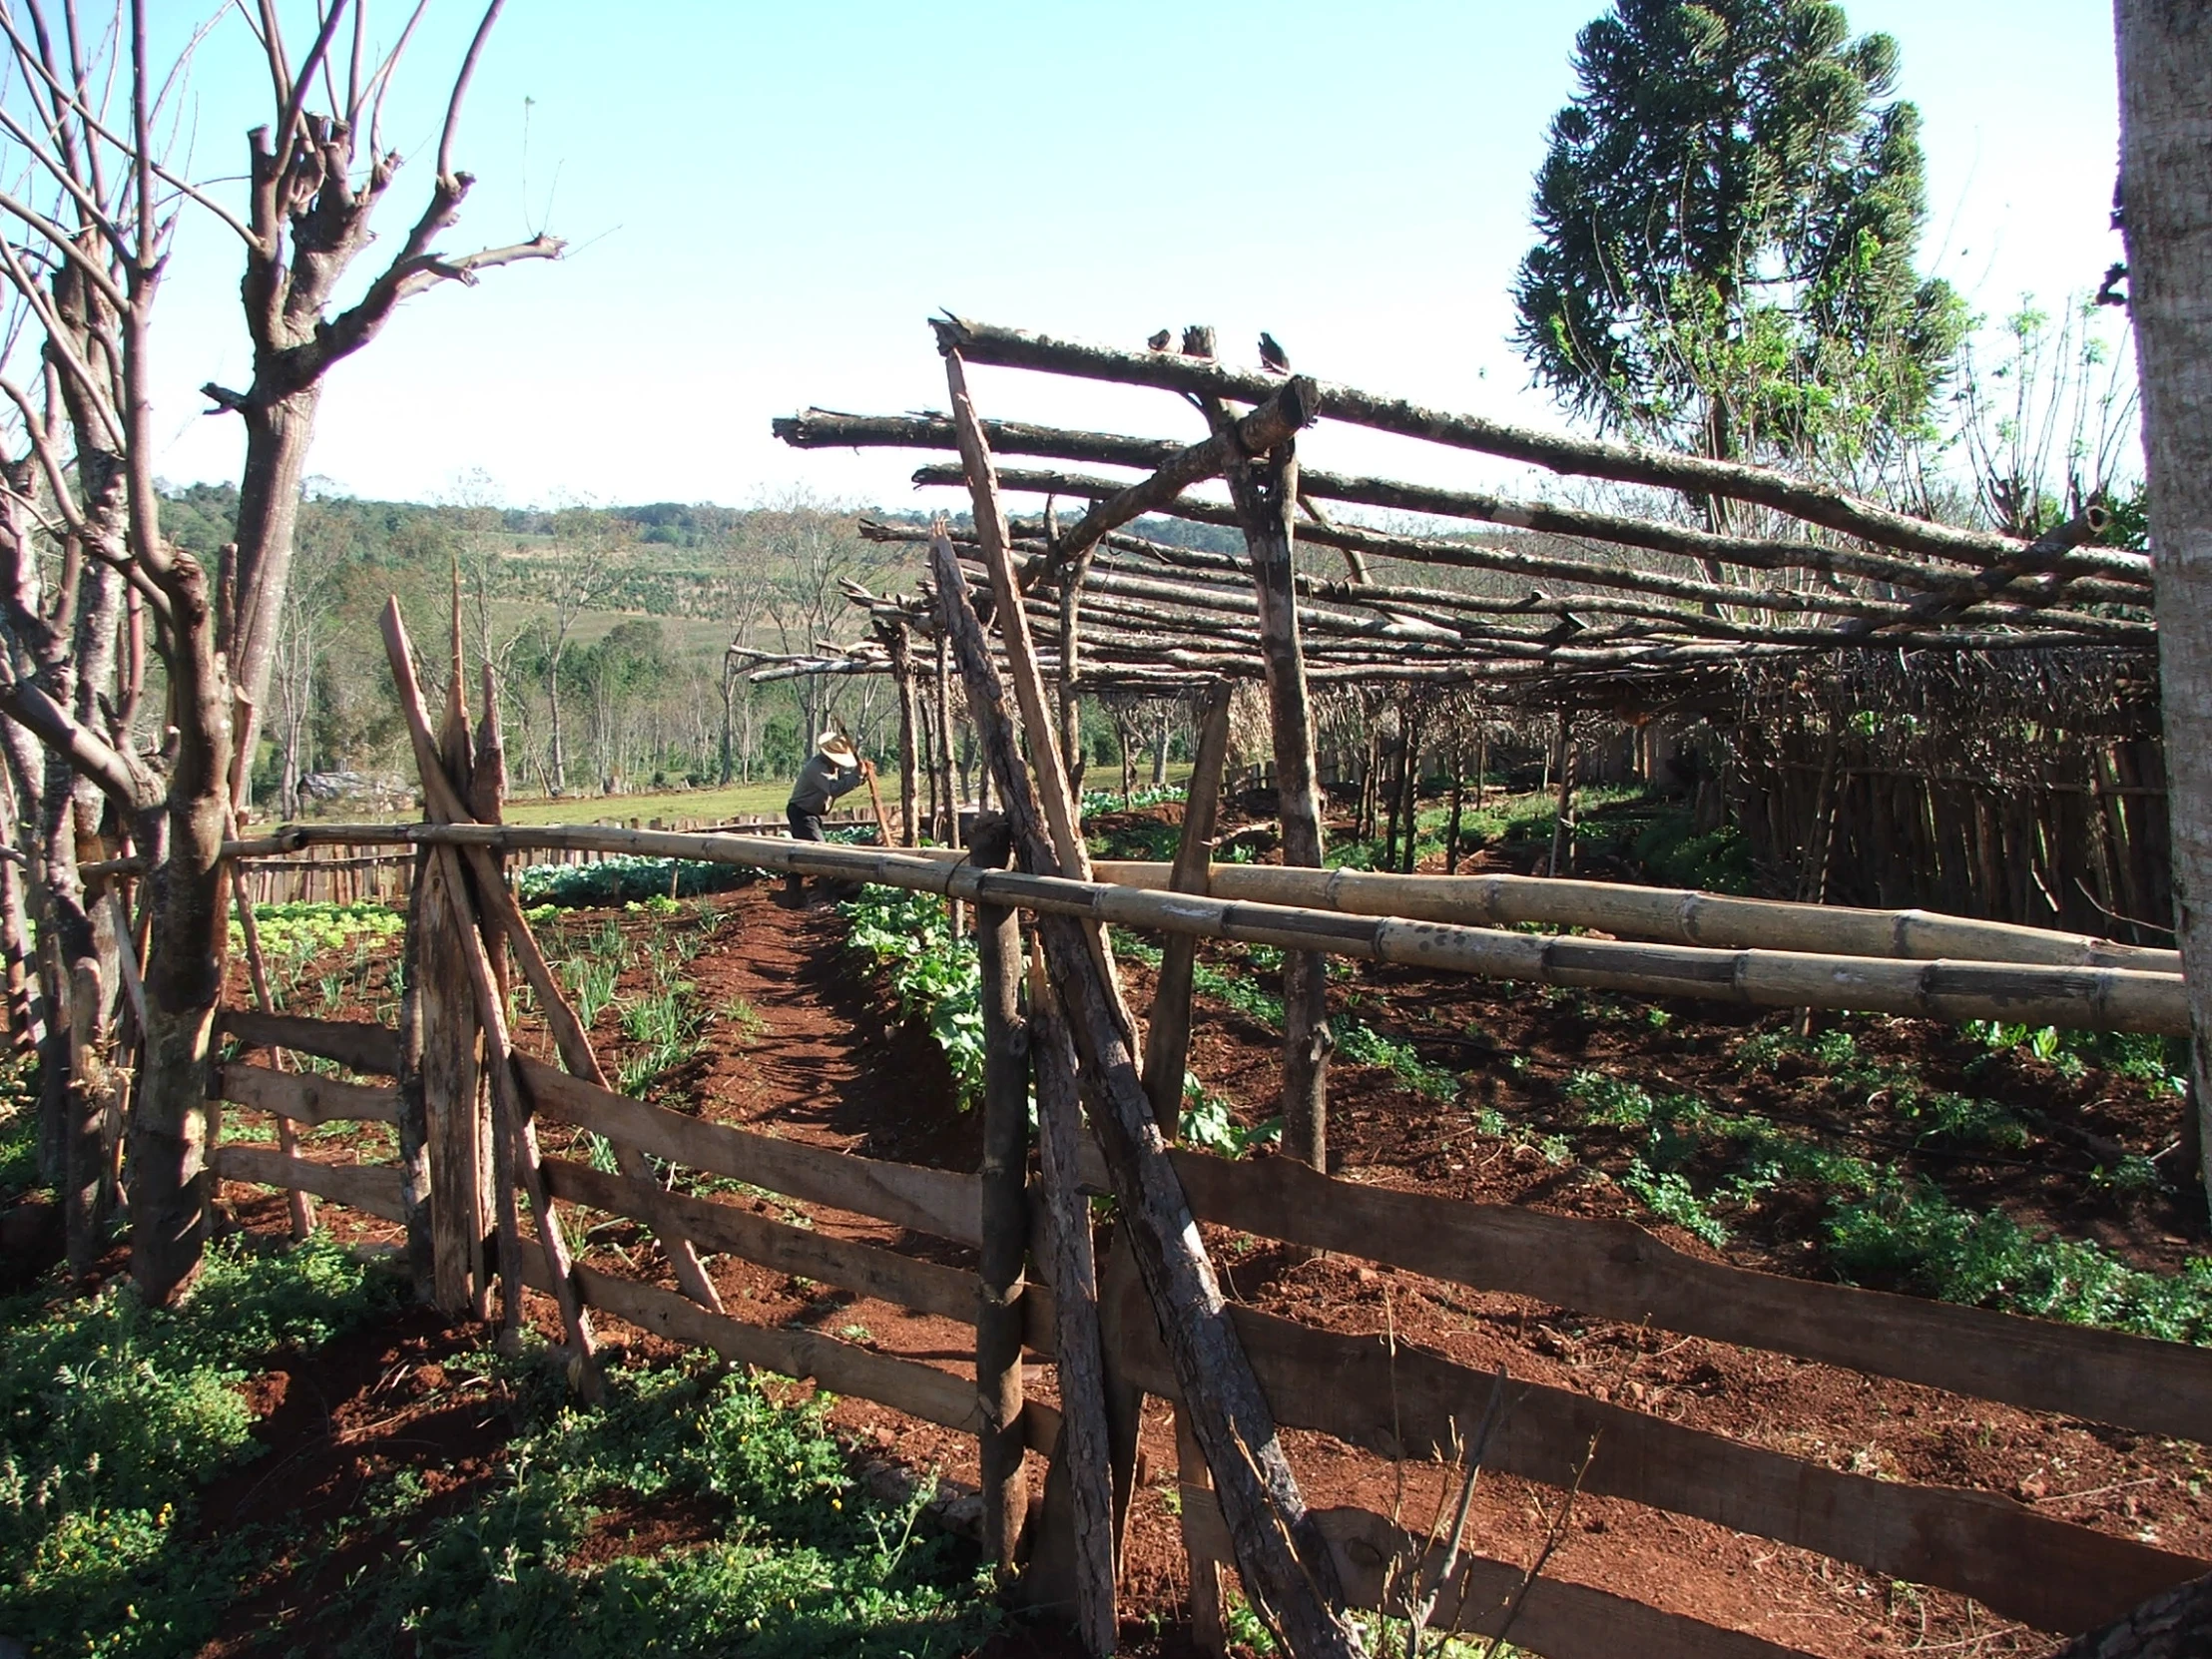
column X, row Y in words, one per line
column 1393, row 1400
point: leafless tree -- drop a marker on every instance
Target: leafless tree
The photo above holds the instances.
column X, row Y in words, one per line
column 583, row 575
column 87, row 580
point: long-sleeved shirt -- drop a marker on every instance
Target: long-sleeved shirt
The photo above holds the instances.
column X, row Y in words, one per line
column 820, row 781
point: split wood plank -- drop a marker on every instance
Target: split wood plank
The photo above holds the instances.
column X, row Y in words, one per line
column 921, row 1391
column 1399, row 1402
column 304, row 1098
column 867, row 1270
column 370, row 1188
column 1616, row 1270
column 941, row 1202
column 359, row 1046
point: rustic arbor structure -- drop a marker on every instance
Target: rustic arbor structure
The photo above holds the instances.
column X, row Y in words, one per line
column 1557, row 611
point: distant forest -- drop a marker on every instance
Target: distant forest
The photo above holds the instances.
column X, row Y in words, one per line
column 607, row 628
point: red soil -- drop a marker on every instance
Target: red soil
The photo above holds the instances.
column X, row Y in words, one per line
column 830, row 1063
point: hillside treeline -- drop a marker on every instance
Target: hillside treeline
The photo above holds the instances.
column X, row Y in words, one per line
column 606, row 628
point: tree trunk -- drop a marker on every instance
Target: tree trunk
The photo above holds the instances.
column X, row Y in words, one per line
column 2165, row 60
column 1458, row 796
column 2173, row 1624
column 277, row 436
column 169, row 1186
column 729, row 768
column 558, row 750
column 902, row 675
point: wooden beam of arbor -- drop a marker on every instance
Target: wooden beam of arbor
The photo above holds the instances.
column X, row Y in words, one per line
column 1518, row 561
column 1214, row 580
column 1198, row 609
column 818, row 429
column 1823, row 504
column 1290, row 407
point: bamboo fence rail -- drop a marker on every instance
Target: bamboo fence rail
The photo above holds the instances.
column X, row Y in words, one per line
column 2078, row 997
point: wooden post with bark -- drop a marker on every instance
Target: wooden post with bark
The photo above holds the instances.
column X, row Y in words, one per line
column 447, row 804
column 1166, row 1061
column 1168, row 1033
column 1264, row 487
column 1004, row 1197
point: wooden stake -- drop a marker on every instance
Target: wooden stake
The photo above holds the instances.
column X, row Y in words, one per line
column 1084, row 1457
column 1005, row 1223
column 512, row 1115
column 492, row 892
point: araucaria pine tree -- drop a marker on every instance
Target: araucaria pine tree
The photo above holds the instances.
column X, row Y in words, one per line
column 1729, row 213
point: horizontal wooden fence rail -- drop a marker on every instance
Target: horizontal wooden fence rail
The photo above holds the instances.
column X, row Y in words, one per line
column 1399, row 1402
column 1666, row 915
column 1608, row 1269
column 1391, row 1399
column 305, row 1097
column 372, row 1189
column 2089, row 998
column 942, row 1202
column 1616, row 1270
column 359, row 1044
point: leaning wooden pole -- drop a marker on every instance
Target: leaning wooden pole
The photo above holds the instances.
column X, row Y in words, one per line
column 1284, row 1561
column 1264, row 490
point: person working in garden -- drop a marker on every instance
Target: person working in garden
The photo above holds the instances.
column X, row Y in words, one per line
column 830, row 772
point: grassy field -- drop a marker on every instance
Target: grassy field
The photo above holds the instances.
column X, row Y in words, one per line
column 759, row 800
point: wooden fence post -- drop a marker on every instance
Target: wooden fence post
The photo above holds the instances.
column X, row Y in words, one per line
column 1264, row 489
column 414, row 1112
column 1168, row 1035
column 1166, row 1059
column 1005, row 1220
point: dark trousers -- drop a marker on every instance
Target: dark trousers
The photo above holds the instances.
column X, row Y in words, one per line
column 806, row 827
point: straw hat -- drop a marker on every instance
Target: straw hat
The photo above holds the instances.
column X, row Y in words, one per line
column 833, row 743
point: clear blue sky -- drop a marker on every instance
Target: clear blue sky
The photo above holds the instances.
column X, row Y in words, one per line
column 766, row 200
